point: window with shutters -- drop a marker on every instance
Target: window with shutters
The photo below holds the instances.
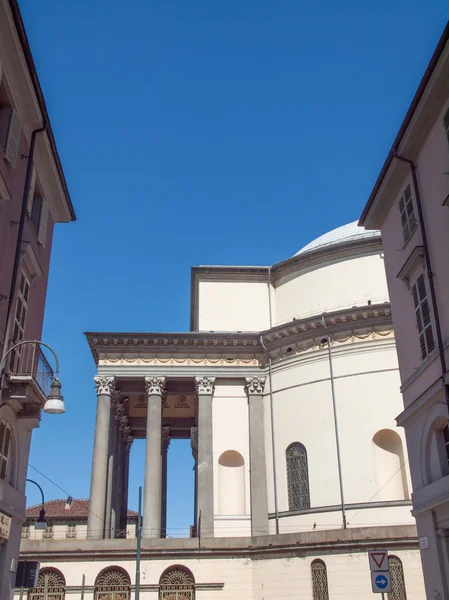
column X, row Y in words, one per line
column 319, row 580
column 423, row 317
column 38, row 210
column 10, row 126
column 23, row 294
column 5, row 450
column 297, row 477
column 407, row 213
column 397, row 579
column 71, row 530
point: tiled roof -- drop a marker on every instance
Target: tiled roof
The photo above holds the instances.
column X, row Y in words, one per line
column 58, row 509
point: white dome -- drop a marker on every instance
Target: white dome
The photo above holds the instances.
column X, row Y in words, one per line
column 345, row 233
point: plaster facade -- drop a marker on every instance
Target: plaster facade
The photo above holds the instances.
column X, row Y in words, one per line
column 416, row 244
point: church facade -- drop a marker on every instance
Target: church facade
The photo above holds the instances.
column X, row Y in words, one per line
column 287, row 386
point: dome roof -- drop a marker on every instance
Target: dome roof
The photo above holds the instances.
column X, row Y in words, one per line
column 345, row 233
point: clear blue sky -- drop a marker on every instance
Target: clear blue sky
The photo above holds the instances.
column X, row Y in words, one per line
column 202, row 133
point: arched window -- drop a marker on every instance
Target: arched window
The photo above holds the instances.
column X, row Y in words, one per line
column 397, row 579
column 177, row 583
column 391, row 476
column 231, row 484
column 319, row 580
column 50, row 586
column 112, row 584
column 297, row 477
column 5, row 450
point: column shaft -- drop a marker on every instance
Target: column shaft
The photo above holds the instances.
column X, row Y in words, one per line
column 165, row 445
column 258, row 471
column 110, row 488
column 97, row 501
column 205, row 468
column 153, row 467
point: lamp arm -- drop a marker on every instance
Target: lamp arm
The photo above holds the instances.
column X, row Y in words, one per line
column 2, row 364
column 41, row 490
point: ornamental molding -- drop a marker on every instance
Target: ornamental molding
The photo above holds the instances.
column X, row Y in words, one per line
column 174, row 360
column 104, row 385
column 155, row 386
column 194, row 442
column 166, row 437
column 205, row 385
column 254, row 385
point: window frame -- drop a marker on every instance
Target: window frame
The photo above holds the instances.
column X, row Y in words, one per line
column 320, row 590
column 296, row 500
column 71, row 530
column 407, row 215
column 6, row 444
column 423, row 316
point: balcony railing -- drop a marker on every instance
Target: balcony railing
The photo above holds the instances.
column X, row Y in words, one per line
column 28, row 361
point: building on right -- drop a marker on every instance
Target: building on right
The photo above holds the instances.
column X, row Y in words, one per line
column 410, row 205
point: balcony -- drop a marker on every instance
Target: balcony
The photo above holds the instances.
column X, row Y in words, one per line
column 28, row 375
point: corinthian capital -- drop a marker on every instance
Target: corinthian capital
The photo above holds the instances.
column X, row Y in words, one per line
column 205, row 385
column 104, row 385
column 254, row 385
column 155, row 386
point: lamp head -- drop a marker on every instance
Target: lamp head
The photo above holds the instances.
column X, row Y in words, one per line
column 55, row 401
column 41, row 523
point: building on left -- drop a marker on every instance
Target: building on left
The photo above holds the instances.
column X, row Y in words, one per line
column 33, row 198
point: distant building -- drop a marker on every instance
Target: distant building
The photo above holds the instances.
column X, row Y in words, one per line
column 251, row 387
column 24, row 266
column 66, row 519
column 410, row 205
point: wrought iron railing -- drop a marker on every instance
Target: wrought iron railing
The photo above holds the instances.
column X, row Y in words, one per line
column 29, row 360
column 112, row 592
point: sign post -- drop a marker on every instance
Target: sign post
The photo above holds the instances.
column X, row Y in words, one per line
column 380, row 571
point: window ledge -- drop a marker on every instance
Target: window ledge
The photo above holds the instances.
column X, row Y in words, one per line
column 414, row 262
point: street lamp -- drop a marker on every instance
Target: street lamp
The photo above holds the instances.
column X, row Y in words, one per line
column 55, row 401
column 41, row 523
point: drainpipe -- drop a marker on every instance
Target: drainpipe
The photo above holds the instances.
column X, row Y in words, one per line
column 15, row 269
column 430, row 273
column 270, row 380
column 327, row 340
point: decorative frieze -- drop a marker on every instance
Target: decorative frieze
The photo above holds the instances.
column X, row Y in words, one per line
column 104, row 385
column 194, row 442
column 155, row 386
column 254, row 385
column 205, row 385
column 166, row 437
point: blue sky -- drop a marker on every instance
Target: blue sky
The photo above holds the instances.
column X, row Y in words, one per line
column 201, row 133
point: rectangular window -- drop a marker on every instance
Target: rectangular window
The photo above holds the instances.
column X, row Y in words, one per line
column 446, row 124
column 407, row 213
column 446, row 441
column 5, row 449
column 48, row 533
column 71, row 530
column 23, row 294
column 423, row 317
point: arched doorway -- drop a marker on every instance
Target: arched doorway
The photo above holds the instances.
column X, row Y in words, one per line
column 177, row 583
column 112, row 584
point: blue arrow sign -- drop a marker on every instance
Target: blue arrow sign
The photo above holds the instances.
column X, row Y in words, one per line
column 381, row 582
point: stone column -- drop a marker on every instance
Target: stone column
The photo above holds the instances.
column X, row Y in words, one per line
column 153, row 483
column 205, row 466
column 97, row 500
column 194, row 446
column 165, row 444
column 124, row 506
column 111, row 484
column 258, row 470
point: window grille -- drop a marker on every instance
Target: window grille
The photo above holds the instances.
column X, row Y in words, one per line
column 397, row 579
column 20, row 316
column 5, row 450
column 423, row 317
column 319, row 580
column 297, row 477
column 112, row 584
column 48, row 533
column 177, row 584
column 71, row 530
column 50, row 586
column 408, row 219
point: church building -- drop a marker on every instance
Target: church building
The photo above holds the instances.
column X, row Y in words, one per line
column 287, row 387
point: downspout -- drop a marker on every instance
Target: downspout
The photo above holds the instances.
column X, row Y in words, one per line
column 270, row 381
column 15, row 270
column 430, row 273
column 337, row 437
